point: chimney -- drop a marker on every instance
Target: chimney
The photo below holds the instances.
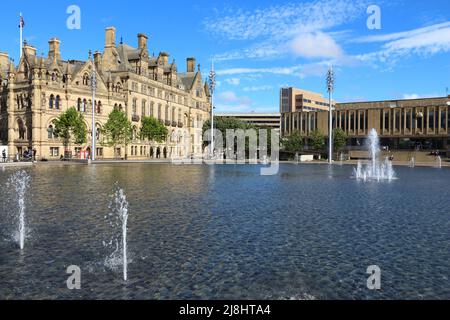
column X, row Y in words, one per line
column 54, row 49
column 110, row 37
column 97, row 59
column 190, row 64
column 165, row 57
column 4, row 59
column 142, row 41
column 29, row 50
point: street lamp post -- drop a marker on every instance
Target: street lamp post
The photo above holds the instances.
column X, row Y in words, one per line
column 330, row 88
column 212, row 87
column 93, row 88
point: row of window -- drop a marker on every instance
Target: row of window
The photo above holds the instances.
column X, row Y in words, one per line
column 55, row 103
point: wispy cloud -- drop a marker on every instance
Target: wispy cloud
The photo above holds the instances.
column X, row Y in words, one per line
column 423, row 41
column 257, row 88
column 230, row 101
column 279, row 29
column 312, row 69
column 233, row 81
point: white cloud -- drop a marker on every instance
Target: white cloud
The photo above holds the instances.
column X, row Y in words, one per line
column 272, row 29
column 423, row 41
column 257, row 88
column 233, row 81
column 229, row 101
column 311, row 69
column 315, row 45
column 409, row 96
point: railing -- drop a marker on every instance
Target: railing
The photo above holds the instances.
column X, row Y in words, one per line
column 135, row 118
column 180, row 125
column 174, row 123
column 167, row 122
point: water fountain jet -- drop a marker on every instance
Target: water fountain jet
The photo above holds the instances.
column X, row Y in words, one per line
column 377, row 170
column 20, row 182
column 118, row 220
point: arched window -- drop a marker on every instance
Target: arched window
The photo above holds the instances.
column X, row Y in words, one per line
column 116, row 107
column 159, row 111
column 86, row 79
column 167, row 113
column 152, row 104
column 118, row 87
column 144, row 107
column 51, row 131
column 83, row 105
column 134, row 107
column 57, row 102
column 51, row 102
column 79, row 105
column 99, row 107
column 22, row 129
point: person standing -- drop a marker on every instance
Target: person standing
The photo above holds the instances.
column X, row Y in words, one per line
column 4, row 155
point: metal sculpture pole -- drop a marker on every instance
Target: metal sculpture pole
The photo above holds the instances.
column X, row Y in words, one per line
column 330, row 88
column 93, row 88
column 212, row 87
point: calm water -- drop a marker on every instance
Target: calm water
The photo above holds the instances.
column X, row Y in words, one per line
column 225, row 232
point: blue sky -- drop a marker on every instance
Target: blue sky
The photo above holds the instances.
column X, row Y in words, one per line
column 260, row 46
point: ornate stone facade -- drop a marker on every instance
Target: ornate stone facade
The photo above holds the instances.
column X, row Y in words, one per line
column 33, row 95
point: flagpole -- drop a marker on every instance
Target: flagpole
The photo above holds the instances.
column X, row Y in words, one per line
column 21, row 35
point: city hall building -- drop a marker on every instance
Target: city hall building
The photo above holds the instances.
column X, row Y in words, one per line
column 34, row 93
column 401, row 124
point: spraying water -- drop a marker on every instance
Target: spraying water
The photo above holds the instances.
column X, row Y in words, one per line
column 20, row 182
column 119, row 214
column 438, row 162
column 376, row 170
column 412, row 162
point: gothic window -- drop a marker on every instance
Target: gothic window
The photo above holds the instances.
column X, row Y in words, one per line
column 51, row 102
column 144, row 107
column 83, row 105
column 51, row 132
column 159, row 111
column 134, row 107
column 152, row 104
column 99, row 107
column 57, row 102
column 79, row 105
column 22, row 129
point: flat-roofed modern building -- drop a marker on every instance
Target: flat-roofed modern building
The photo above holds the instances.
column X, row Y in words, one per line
column 263, row 120
column 298, row 100
column 400, row 123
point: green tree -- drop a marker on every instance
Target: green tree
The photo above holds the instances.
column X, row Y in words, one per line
column 317, row 140
column 70, row 126
column 294, row 142
column 153, row 130
column 339, row 139
column 227, row 123
column 118, row 130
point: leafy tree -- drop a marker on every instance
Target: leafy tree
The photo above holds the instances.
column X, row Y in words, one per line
column 317, row 140
column 340, row 139
column 294, row 142
column 70, row 126
column 153, row 130
column 118, row 129
column 227, row 123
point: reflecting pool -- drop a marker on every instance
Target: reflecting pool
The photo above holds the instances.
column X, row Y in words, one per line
column 225, row 232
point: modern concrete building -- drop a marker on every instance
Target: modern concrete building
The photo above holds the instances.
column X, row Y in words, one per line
column 263, row 120
column 34, row 93
column 298, row 100
column 401, row 124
